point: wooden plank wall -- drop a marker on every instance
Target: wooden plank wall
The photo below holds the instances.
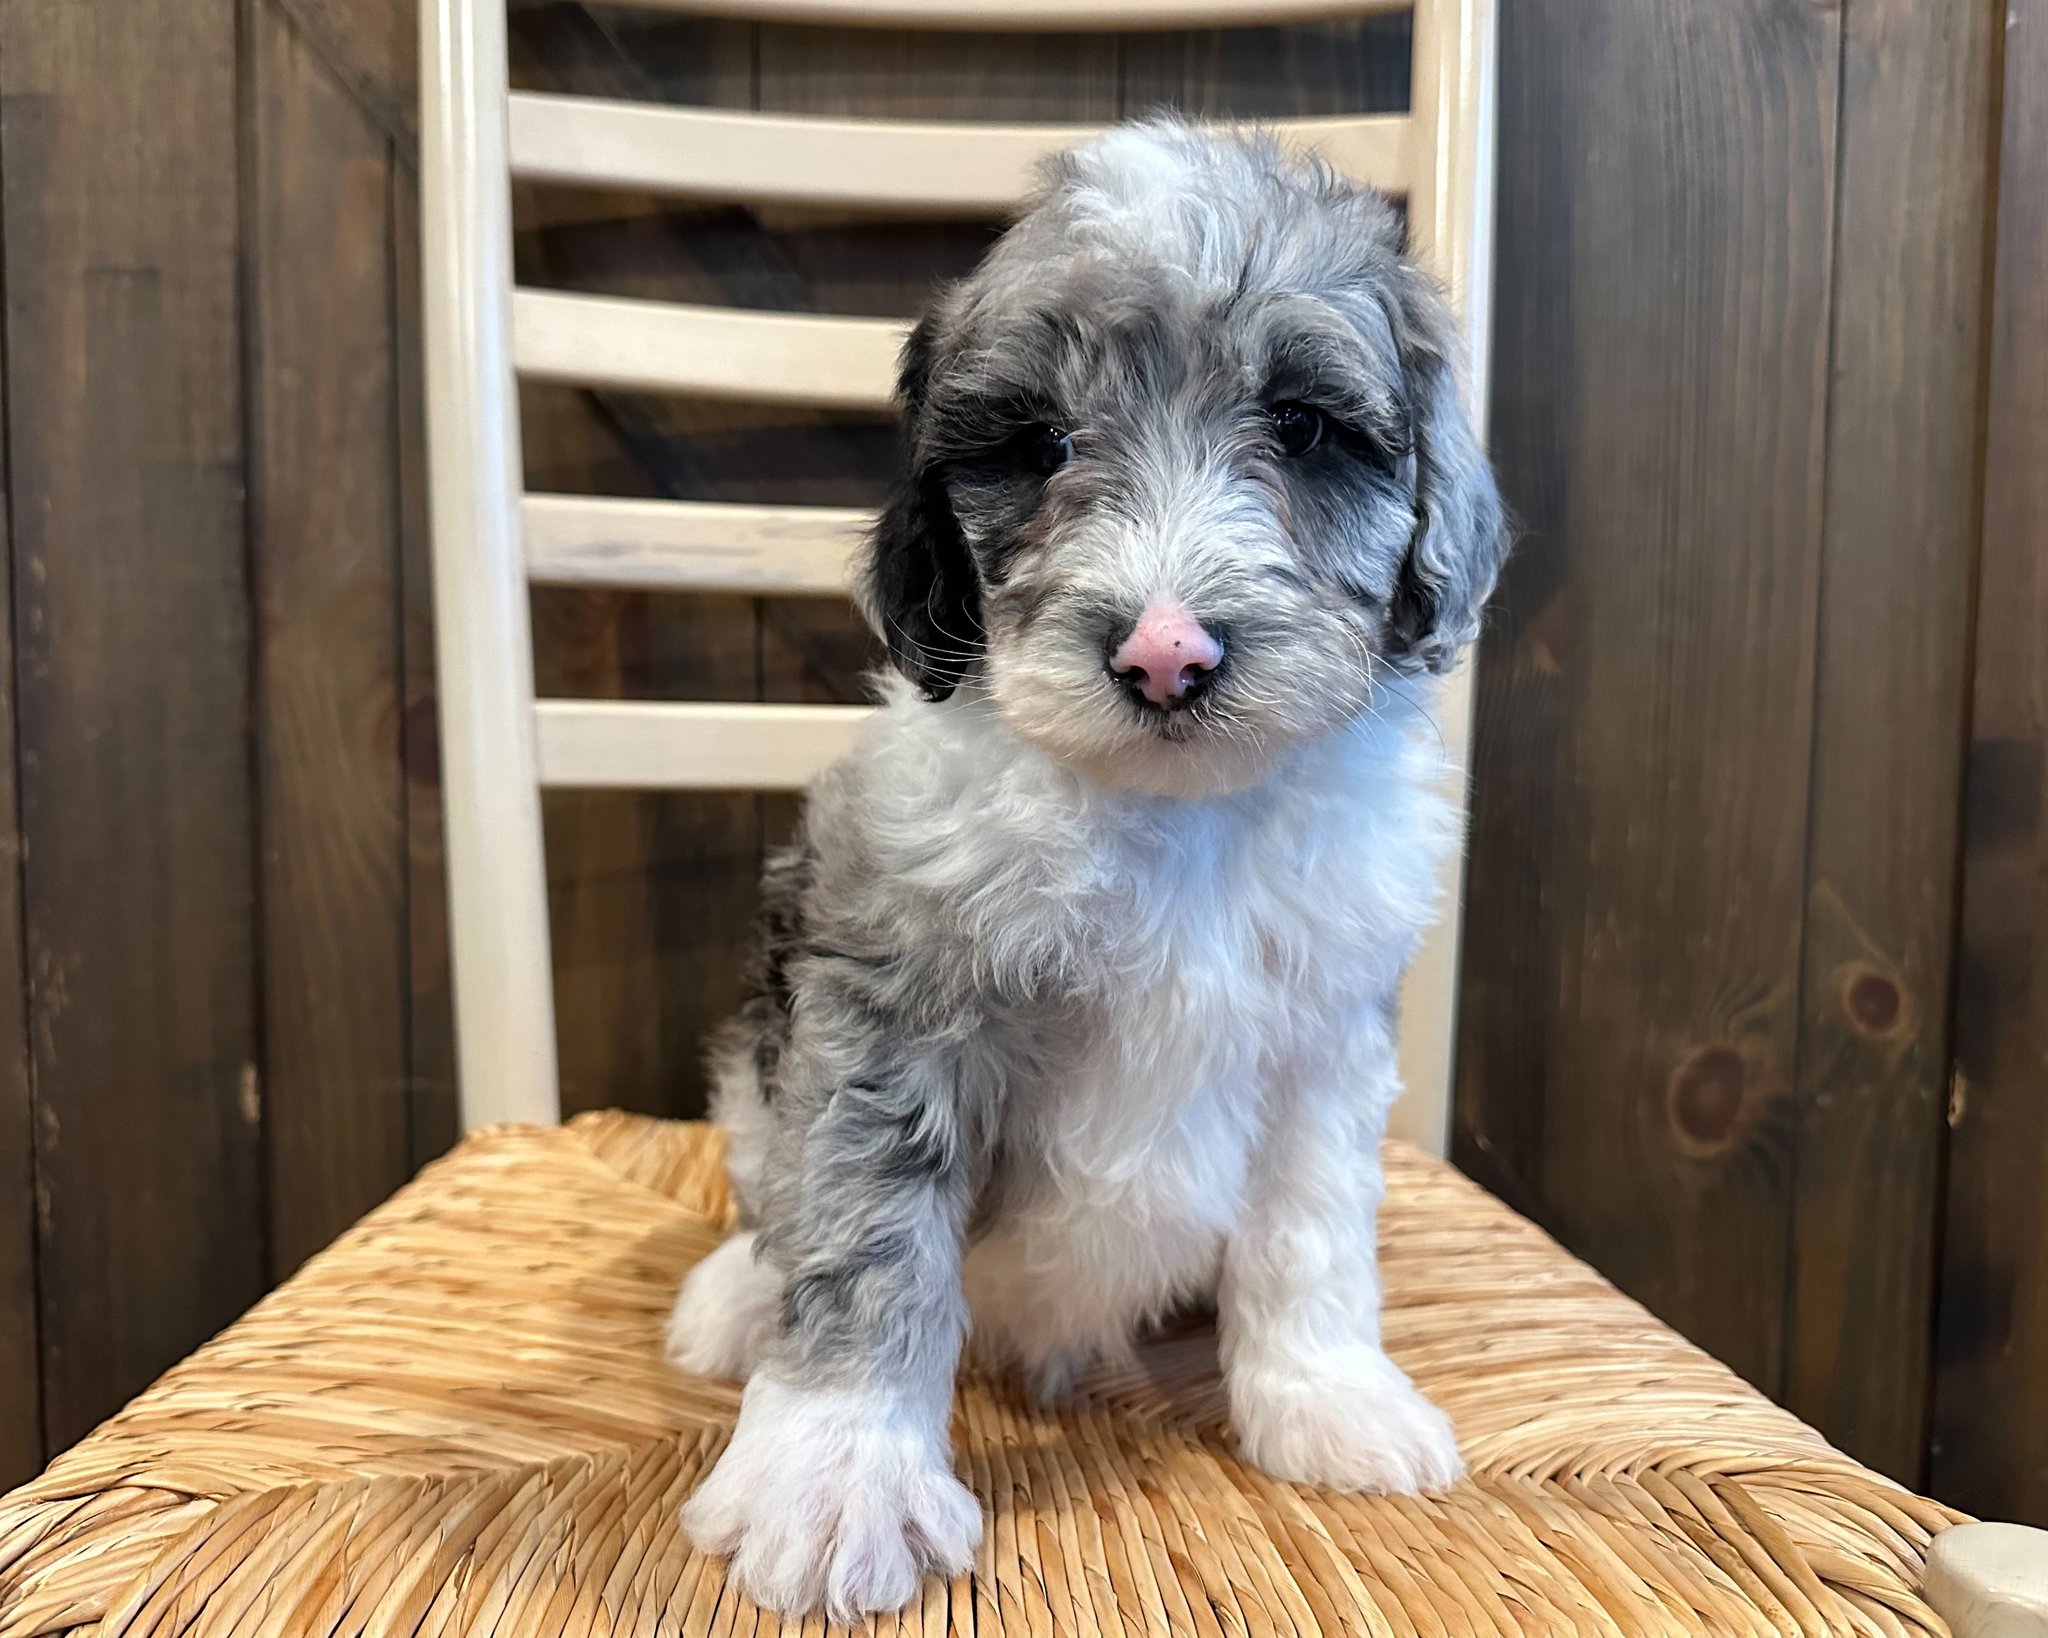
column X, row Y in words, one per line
column 1723, row 818
column 324, row 498
column 1626, row 1051
column 1891, row 679
column 204, row 210
column 1706, row 1019
column 123, row 243
column 21, row 1434
column 1991, row 1403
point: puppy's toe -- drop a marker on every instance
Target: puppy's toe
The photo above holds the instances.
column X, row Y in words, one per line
column 725, row 1312
column 872, row 1568
column 944, row 1521
column 890, row 1534
column 715, row 1516
column 781, row 1563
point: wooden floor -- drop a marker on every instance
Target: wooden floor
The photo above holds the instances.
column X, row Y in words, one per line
column 1754, row 1008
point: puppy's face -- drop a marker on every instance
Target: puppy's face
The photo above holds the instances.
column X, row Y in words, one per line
column 1188, row 478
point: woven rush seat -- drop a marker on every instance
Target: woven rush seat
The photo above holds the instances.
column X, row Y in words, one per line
column 458, row 1420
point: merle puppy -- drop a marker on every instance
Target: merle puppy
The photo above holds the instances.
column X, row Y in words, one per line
column 1077, row 991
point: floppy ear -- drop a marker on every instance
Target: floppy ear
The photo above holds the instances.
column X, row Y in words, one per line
column 1461, row 533
column 918, row 582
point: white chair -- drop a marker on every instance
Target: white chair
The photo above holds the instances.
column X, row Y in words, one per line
column 500, row 744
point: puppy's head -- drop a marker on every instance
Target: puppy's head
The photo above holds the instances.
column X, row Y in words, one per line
column 1188, row 479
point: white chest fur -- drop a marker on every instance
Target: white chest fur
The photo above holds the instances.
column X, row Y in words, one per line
column 1215, row 944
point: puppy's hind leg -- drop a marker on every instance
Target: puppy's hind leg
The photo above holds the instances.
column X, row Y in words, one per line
column 740, row 1106
column 746, row 1052
column 725, row 1313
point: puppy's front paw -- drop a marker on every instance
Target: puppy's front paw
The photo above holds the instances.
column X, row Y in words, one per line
column 1349, row 1420
column 831, row 1497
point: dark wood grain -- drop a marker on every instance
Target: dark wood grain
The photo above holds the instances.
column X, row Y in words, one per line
column 1629, row 1012
column 1991, row 1392
column 434, row 1104
column 324, row 502
column 122, row 244
column 893, row 74
column 1897, row 560
column 1349, row 66
column 371, row 49
column 21, row 1388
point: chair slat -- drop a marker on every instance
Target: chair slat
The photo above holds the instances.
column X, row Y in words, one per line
column 658, row 745
column 706, row 352
column 1023, row 15
column 905, row 167
column 590, row 540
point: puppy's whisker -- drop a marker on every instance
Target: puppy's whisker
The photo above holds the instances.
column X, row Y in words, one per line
column 934, row 650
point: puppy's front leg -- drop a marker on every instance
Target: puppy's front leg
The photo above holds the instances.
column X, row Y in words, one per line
column 837, row 1487
column 1313, row 1396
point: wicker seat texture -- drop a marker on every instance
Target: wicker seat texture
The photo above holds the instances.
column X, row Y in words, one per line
column 457, row 1421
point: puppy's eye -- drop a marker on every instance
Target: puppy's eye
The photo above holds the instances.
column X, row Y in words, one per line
column 1044, row 449
column 1298, row 427
column 1037, row 449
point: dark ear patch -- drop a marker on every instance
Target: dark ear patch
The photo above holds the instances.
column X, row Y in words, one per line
column 921, row 587
column 918, row 581
column 1461, row 535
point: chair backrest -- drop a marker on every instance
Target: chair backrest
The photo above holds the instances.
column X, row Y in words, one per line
column 500, row 744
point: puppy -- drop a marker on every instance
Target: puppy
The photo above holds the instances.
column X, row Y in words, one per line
column 1076, row 993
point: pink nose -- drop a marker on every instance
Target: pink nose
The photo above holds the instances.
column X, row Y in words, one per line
column 1167, row 656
